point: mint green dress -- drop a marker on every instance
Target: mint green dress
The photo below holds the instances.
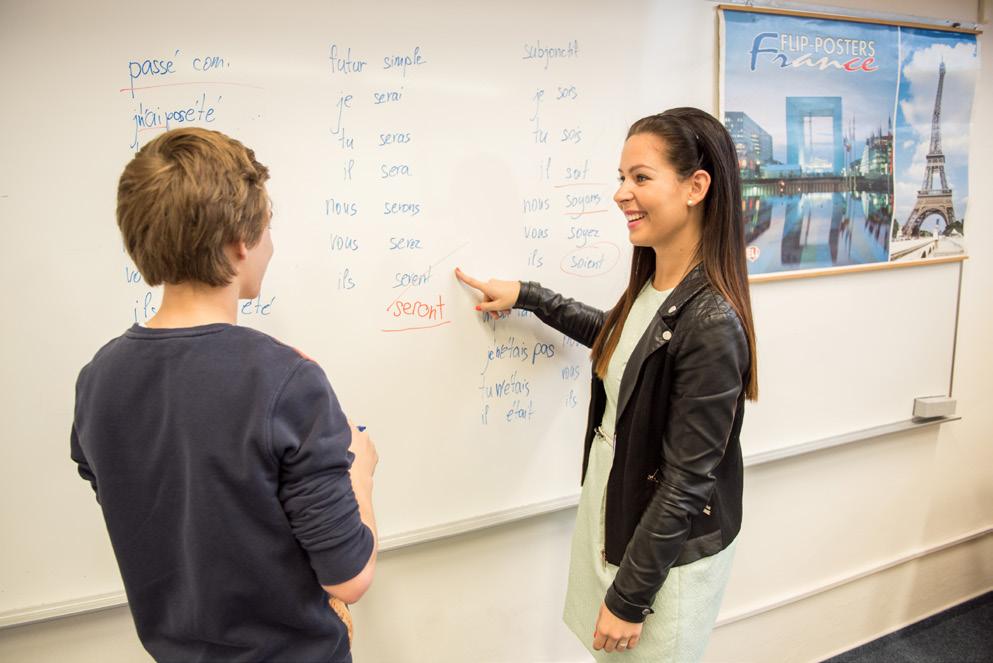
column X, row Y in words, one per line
column 686, row 606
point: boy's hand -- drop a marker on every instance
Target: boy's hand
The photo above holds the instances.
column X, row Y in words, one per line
column 366, row 458
column 341, row 609
column 498, row 296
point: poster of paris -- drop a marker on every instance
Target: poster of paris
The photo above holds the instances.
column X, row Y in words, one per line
column 852, row 138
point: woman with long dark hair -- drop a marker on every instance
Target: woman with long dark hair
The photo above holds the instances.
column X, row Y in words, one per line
column 673, row 363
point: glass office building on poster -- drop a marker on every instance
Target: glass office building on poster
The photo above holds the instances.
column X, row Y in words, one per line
column 834, row 138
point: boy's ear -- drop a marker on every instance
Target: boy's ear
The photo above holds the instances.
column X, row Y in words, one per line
column 240, row 249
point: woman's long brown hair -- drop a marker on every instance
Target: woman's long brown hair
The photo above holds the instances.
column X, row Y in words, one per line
column 695, row 140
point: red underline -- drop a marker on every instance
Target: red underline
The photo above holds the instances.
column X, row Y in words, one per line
column 149, row 87
column 559, row 186
column 595, row 211
column 446, row 322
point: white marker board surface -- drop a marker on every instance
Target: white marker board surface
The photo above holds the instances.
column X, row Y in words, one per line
column 403, row 139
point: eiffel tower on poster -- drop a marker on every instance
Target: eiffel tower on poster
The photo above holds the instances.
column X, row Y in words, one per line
column 929, row 199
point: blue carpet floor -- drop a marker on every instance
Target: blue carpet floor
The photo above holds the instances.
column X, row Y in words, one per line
column 962, row 634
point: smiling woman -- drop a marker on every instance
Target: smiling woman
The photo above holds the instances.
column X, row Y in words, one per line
column 657, row 202
column 659, row 514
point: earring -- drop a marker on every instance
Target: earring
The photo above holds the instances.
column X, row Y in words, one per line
column 690, row 203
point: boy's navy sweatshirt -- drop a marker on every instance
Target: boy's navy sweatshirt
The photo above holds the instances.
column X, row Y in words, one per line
column 220, row 459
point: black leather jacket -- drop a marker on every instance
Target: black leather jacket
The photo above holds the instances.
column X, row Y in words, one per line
column 674, row 489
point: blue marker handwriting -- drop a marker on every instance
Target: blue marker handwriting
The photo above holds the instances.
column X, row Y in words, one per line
column 513, row 350
column 344, row 64
column 147, row 118
column 403, row 60
column 548, row 53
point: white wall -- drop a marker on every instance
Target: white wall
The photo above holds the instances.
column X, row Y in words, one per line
column 812, row 524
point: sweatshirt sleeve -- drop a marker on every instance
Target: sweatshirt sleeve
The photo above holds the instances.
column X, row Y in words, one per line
column 75, row 447
column 82, row 465
column 310, row 437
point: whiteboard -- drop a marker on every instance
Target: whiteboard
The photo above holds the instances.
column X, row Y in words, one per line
column 470, row 136
column 849, row 352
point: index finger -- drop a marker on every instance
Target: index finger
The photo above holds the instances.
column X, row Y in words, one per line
column 468, row 280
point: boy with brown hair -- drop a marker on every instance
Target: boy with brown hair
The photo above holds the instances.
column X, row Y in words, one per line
column 236, row 493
